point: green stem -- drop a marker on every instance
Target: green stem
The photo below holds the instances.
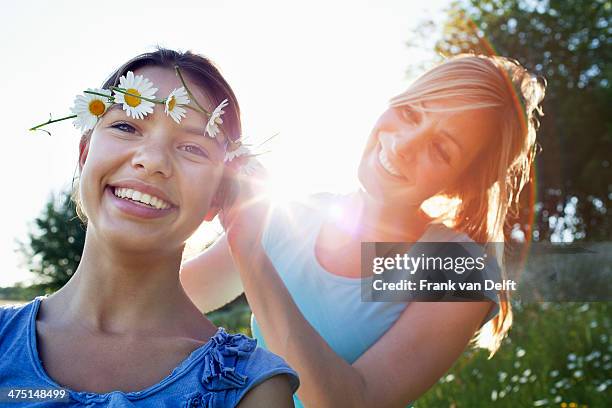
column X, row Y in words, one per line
column 109, row 97
column 268, row 139
column 123, row 91
column 53, row 121
column 258, row 154
column 178, row 72
column 194, row 109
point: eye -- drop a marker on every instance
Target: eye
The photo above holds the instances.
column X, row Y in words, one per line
column 440, row 152
column 193, row 149
column 408, row 114
column 124, row 127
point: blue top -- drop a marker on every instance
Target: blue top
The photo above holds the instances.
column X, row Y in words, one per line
column 217, row 374
column 332, row 304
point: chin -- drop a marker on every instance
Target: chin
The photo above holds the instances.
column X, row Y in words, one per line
column 130, row 238
column 387, row 195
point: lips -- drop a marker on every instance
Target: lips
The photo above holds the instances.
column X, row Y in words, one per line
column 144, row 189
column 136, row 209
column 386, row 164
column 386, row 167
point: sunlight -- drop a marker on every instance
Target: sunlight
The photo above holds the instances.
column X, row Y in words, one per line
column 438, row 206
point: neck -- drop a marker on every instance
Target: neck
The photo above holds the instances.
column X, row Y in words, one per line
column 118, row 291
column 380, row 222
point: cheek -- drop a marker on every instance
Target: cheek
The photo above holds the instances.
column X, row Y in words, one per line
column 200, row 187
column 435, row 178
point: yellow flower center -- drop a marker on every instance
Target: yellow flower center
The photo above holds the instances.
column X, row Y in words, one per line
column 96, row 107
column 171, row 103
column 133, row 101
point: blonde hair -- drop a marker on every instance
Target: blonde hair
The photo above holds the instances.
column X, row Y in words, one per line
column 503, row 85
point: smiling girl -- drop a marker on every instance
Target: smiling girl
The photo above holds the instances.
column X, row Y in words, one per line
column 122, row 332
column 463, row 130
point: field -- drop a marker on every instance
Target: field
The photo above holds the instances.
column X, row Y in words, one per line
column 557, row 355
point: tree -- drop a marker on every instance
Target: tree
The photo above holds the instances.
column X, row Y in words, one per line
column 569, row 42
column 55, row 243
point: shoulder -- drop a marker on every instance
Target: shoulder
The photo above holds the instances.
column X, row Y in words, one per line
column 236, row 364
column 14, row 324
column 296, row 218
column 13, row 315
column 305, row 206
column 273, row 392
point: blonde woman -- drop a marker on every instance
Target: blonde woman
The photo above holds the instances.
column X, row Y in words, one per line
column 465, row 129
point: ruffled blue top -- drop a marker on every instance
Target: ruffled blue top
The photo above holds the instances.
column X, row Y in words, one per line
column 217, row 374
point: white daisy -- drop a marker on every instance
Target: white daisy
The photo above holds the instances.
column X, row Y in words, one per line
column 174, row 101
column 232, row 154
column 89, row 108
column 140, row 86
column 212, row 127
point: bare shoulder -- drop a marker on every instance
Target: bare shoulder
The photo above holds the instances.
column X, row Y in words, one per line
column 275, row 392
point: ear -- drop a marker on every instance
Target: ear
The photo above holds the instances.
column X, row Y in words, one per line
column 83, row 151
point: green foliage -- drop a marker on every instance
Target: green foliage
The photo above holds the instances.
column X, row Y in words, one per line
column 569, row 43
column 55, row 243
column 235, row 317
column 22, row 292
column 556, row 353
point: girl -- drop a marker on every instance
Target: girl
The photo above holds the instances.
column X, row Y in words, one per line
column 464, row 130
column 123, row 332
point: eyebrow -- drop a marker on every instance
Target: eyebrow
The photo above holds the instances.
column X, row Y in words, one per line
column 422, row 110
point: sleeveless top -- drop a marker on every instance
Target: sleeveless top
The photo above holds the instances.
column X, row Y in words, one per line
column 332, row 304
column 217, row 374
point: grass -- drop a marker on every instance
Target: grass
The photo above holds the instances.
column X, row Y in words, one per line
column 556, row 355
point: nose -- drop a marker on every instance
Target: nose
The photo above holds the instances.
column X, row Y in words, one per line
column 153, row 158
column 407, row 144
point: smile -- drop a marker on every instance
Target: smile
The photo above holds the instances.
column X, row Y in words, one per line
column 386, row 164
column 140, row 197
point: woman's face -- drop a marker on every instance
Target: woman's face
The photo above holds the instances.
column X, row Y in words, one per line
column 413, row 155
column 176, row 163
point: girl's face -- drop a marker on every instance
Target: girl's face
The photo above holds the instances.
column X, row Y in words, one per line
column 413, row 155
column 176, row 163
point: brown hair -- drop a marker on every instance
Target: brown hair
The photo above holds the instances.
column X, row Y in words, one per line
column 199, row 70
column 497, row 177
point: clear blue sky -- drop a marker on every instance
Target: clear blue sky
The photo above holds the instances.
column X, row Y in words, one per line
column 317, row 72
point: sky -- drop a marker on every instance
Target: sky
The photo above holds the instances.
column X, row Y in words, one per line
column 317, row 73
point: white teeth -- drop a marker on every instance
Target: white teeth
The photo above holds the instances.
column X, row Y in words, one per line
column 384, row 161
column 139, row 196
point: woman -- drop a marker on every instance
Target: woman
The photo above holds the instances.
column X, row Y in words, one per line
column 464, row 130
column 122, row 332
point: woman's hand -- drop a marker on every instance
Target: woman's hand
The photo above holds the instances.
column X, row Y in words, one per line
column 245, row 207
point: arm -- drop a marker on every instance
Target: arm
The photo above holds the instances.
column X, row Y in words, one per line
column 211, row 279
column 272, row 393
column 422, row 345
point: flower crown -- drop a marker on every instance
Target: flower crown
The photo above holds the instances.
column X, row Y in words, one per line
column 136, row 94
